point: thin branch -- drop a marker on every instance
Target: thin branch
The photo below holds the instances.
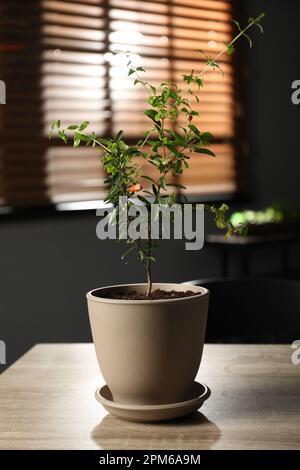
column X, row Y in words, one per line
column 254, row 21
column 146, row 138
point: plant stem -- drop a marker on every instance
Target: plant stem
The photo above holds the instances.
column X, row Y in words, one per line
column 148, row 262
column 163, row 135
column 255, row 20
column 149, row 278
column 97, row 142
column 146, row 138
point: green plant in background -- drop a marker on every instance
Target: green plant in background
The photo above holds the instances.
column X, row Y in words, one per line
column 169, row 149
column 269, row 215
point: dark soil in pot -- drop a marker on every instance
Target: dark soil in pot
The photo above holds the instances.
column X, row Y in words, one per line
column 157, row 294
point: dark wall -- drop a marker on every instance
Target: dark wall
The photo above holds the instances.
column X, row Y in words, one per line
column 272, row 119
column 48, row 263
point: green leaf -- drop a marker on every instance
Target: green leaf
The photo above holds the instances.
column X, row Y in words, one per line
column 148, row 178
column 248, row 39
column 162, row 182
column 178, row 166
column 147, row 192
column 127, row 252
column 155, row 146
column 203, row 53
column 154, row 189
column 199, row 82
column 188, row 78
column 134, row 151
column 144, row 200
column 207, row 136
column 230, row 49
column 55, row 124
column 204, row 151
column 151, row 113
column 260, row 27
column 174, row 150
column 73, row 127
column 63, row 136
column 176, row 185
column 195, row 130
column 214, row 65
column 149, row 258
column 76, row 141
column 223, row 207
column 256, row 22
column 119, row 135
column 83, row 137
column 131, row 71
column 237, row 25
column 84, row 125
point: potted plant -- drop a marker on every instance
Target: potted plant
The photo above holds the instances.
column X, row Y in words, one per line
column 149, row 337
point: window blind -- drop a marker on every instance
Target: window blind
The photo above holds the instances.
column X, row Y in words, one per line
column 66, row 59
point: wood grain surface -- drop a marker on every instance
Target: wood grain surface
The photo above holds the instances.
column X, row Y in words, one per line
column 47, row 402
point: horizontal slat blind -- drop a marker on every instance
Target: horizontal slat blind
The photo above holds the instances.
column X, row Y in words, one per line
column 65, row 59
column 21, row 130
column 75, row 84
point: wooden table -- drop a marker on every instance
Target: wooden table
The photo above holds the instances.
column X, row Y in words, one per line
column 47, row 402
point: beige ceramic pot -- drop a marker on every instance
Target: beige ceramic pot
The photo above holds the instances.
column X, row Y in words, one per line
column 149, row 351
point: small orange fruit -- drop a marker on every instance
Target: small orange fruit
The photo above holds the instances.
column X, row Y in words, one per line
column 135, row 188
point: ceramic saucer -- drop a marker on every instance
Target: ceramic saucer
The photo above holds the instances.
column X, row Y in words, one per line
column 151, row 413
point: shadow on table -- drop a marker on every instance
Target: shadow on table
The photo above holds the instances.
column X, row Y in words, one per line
column 192, row 432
